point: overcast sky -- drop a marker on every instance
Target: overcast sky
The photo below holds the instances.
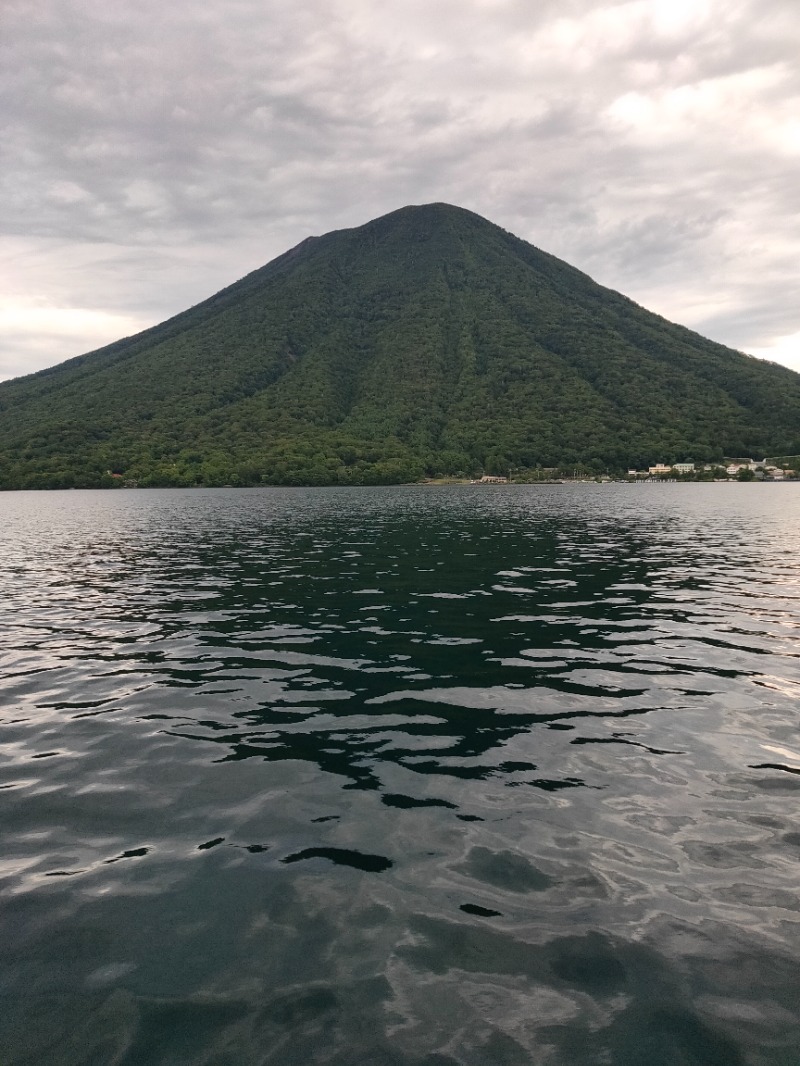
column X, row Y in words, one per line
column 154, row 152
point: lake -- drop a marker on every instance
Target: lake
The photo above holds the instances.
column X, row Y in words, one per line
column 415, row 776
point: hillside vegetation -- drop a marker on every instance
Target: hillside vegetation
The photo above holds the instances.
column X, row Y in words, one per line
column 426, row 342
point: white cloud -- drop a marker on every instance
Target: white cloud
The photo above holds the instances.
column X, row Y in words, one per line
column 154, row 153
column 43, row 334
column 784, row 350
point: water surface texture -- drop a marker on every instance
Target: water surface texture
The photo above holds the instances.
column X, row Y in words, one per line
column 469, row 775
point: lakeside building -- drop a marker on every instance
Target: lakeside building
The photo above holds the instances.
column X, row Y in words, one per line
column 735, row 465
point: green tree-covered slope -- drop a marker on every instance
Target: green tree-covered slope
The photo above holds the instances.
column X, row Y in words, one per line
column 427, row 341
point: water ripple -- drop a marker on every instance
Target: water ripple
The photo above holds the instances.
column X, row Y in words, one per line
column 405, row 775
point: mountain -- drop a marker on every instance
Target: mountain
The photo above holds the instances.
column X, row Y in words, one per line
column 427, row 341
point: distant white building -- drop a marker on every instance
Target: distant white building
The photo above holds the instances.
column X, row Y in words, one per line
column 735, row 465
column 741, row 464
column 683, row 468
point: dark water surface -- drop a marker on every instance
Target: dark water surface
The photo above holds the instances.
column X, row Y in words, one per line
column 401, row 776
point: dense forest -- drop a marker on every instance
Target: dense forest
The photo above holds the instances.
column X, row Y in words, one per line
column 427, row 342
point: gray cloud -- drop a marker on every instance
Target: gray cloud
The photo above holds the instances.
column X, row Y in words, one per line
column 154, row 153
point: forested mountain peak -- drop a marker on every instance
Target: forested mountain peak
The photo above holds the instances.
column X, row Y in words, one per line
column 426, row 341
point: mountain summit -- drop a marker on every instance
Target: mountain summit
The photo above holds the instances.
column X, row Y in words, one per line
column 426, row 341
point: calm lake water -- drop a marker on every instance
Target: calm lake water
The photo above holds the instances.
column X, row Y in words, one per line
column 404, row 776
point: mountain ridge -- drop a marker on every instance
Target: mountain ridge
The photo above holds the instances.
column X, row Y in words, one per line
column 426, row 341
